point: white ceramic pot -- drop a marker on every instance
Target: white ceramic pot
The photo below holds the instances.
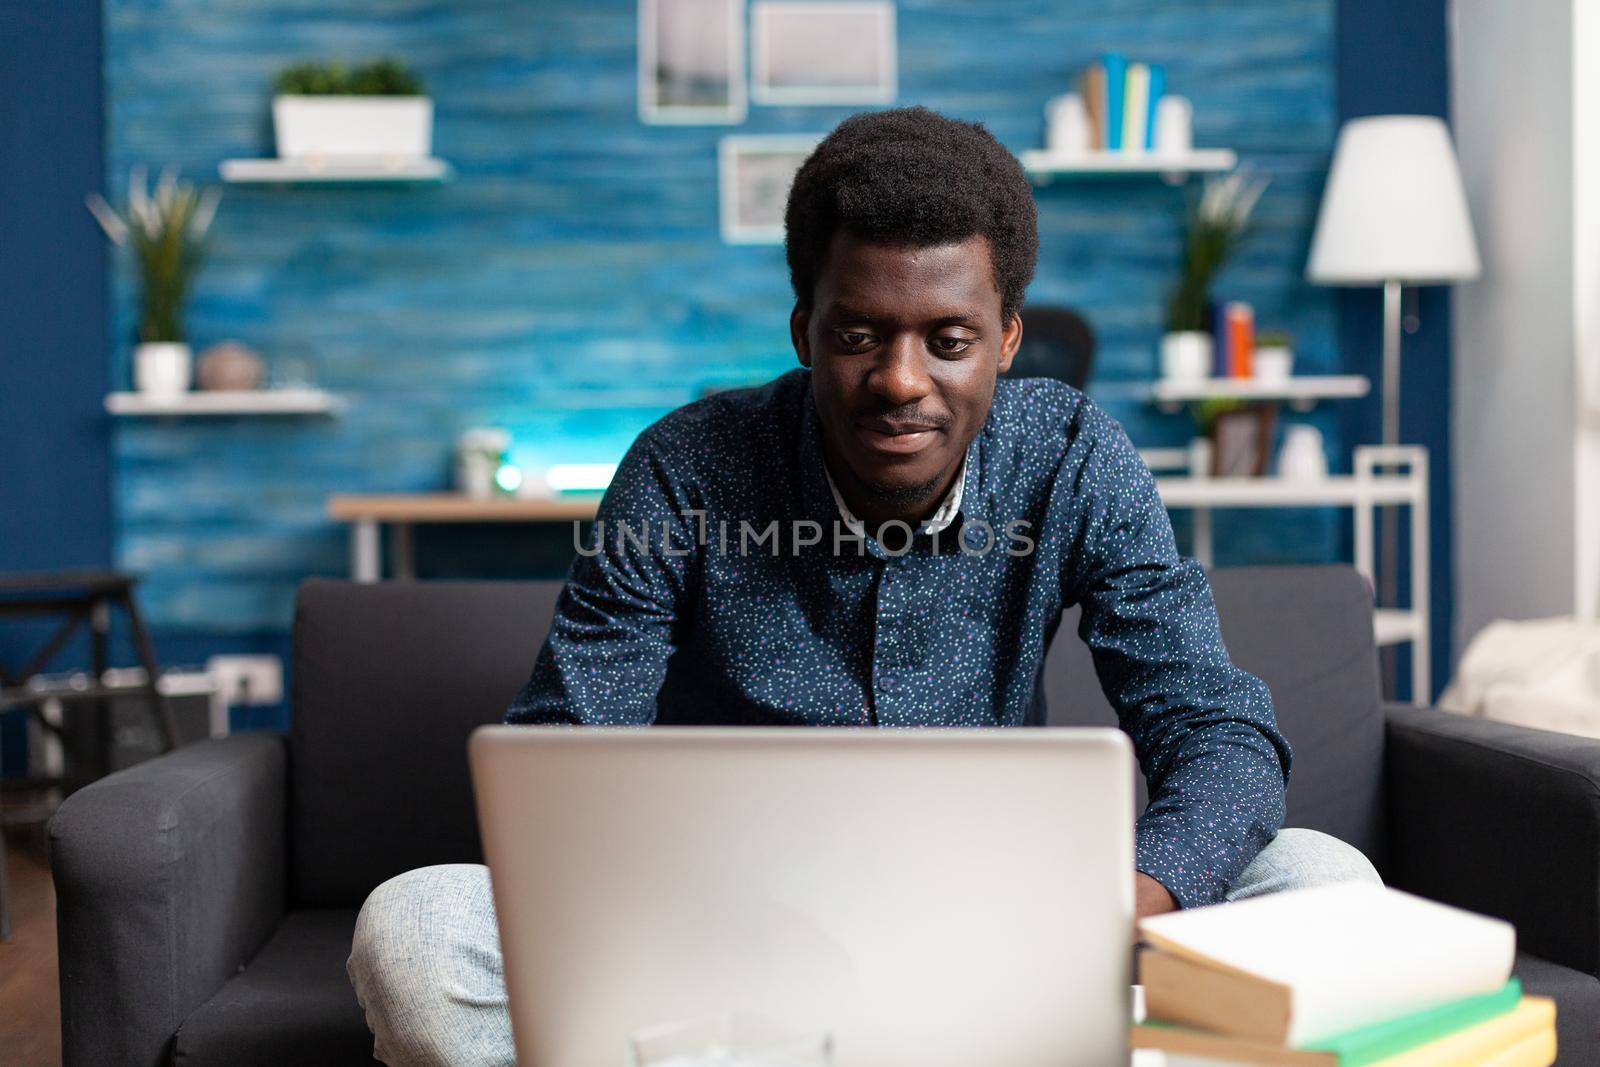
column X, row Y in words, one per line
column 1301, row 456
column 341, row 127
column 1274, row 363
column 1186, row 356
column 162, row 368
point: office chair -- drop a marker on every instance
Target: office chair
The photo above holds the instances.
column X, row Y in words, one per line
column 1056, row 343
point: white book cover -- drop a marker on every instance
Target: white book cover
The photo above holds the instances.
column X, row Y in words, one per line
column 1351, row 955
column 1135, row 106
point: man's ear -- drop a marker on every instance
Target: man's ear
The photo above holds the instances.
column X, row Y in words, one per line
column 799, row 323
column 1010, row 341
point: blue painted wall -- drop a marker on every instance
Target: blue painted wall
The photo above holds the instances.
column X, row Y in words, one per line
column 571, row 284
column 54, row 458
column 55, row 464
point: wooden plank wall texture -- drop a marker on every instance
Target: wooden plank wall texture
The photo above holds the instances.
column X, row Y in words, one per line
column 571, row 284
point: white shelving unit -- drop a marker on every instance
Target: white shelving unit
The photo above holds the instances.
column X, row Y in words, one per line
column 228, row 402
column 334, row 171
column 1301, row 392
column 1371, row 486
column 1044, row 167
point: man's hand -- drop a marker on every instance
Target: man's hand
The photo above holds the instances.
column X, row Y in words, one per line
column 1150, row 897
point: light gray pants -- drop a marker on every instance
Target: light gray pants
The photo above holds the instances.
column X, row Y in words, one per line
column 427, row 970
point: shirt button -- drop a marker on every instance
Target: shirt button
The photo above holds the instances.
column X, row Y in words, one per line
column 886, row 682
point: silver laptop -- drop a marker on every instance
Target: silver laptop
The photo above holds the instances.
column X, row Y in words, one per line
column 927, row 897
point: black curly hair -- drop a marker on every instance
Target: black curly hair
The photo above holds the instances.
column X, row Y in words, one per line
column 912, row 176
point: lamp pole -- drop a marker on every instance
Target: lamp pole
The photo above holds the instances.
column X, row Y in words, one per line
column 1389, row 552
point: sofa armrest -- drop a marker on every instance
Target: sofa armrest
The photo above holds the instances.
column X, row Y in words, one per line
column 1500, row 819
column 169, row 876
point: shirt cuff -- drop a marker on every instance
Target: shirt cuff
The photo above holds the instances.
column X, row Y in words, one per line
column 1195, row 867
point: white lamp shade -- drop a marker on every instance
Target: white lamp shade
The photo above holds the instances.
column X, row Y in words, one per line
column 1394, row 208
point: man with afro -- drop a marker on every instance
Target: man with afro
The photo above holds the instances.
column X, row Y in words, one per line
column 884, row 536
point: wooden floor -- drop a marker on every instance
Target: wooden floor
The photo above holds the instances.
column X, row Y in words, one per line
column 30, row 1012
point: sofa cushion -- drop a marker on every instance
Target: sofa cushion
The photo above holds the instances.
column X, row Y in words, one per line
column 293, row 1003
column 1306, row 631
column 389, row 680
column 1577, row 997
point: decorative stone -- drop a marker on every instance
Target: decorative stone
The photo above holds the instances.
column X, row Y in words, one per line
column 229, row 365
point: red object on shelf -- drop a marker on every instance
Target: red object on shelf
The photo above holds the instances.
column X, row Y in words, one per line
column 1240, row 330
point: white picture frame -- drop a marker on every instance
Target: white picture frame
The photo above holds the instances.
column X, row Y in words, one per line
column 823, row 52
column 754, row 173
column 691, row 62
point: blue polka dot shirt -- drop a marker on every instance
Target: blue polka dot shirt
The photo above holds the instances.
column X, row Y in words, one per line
column 719, row 585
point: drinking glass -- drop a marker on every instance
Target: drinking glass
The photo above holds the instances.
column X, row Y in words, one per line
column 735, row 1039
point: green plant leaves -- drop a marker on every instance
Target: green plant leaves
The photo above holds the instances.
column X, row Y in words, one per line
column 380, row 77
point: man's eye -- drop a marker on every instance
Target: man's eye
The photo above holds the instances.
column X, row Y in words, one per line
column 854, row 339
column 951, row 345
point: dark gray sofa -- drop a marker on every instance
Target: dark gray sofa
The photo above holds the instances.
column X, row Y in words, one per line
column 206, row 898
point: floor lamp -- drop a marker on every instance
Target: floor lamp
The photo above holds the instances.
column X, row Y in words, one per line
column 1394, row 213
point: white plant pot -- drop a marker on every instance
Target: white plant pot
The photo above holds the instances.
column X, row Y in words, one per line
column 162, row 368
column 1186, row 356
column 1274, row 363
column 342, row 127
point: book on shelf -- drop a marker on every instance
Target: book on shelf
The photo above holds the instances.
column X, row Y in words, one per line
column 1092, row 86
column 1116, row 70
column 1157, row 88
column 1121, row 100
column 1135, row 107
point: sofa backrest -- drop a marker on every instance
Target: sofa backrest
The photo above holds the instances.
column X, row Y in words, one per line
column 389, row 679
column 1306, row 631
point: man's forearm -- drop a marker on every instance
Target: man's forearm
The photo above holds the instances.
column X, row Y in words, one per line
column 1217, row 806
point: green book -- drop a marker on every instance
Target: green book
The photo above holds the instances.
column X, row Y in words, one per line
column 1381, row 1040
column 1353, row 1048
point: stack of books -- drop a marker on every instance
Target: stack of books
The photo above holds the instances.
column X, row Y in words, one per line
column 1121, row 99
column 1341, row 976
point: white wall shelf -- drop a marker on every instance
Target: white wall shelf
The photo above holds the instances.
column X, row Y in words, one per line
column 1270, row 491
column 1044, row 167
column 1396, row 626
column 1384, row 476
column 1301, row 391
column 334, row 171
column 228, row 402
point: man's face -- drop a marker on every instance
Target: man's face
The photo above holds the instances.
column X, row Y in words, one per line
column 904, row 344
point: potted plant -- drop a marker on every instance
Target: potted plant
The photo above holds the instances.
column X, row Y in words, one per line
column 324, row 110
column 1215, row 222
column 167, row 232
column 1273, row 359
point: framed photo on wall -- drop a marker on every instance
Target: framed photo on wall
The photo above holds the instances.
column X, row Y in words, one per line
column 754, row 172
column 808, row 52
column 691, row 62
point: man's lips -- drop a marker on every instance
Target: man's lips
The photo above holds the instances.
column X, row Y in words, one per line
column 895, row 438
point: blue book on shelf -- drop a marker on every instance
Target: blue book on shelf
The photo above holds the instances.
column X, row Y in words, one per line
column 1158, row 85
column 1218, row 323
column 1116, row 91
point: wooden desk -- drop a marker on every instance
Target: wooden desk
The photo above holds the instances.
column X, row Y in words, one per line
column 367, row 514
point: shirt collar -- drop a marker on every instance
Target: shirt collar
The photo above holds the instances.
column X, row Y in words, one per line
column 942, row 517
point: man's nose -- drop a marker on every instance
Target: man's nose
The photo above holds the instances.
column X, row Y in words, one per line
column 900, row 375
